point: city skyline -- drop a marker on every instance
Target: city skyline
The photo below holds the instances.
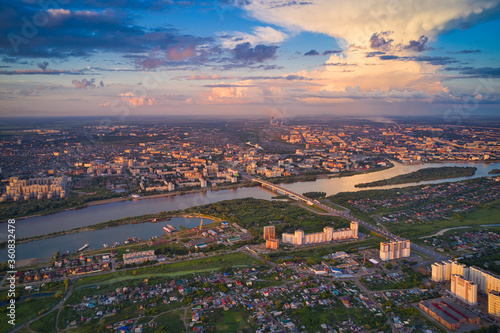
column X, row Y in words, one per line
column 283, row 59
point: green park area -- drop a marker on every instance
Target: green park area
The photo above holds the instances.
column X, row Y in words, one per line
column 254, row 214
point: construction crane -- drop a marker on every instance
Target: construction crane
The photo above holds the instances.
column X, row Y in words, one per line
column 201, row 226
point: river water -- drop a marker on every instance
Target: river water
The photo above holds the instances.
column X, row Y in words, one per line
column 46, row 248
column 41, row 225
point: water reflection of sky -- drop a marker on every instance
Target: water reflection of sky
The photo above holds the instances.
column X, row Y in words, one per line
column 48, row 247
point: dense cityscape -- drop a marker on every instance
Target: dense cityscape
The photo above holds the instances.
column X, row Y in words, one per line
column 251, row 264
column 241, row 166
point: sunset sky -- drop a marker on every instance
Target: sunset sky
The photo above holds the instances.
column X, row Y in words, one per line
column 240, row 57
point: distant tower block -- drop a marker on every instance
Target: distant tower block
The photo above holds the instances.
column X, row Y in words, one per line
column 269, row 232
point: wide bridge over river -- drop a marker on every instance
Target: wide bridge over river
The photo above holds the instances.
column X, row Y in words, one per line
column 333, row 211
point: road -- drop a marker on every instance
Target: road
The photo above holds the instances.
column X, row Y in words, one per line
column 57, row 307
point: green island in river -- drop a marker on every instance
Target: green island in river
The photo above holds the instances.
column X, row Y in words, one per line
column 423, row 175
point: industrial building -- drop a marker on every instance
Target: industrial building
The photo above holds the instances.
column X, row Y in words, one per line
column 394, row 250
column 329, row 234
column 464, row 289
column 269, row 232
column 448, row 313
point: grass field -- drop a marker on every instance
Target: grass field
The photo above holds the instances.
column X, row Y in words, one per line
column 26, row 310
column 233, row 321
column 171, row 322
column 46, row 324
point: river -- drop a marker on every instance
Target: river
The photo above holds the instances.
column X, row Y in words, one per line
column 46, row 248
column 66, row 220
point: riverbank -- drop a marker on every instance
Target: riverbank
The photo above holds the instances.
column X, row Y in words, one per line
column 362, row 172
column 148, row 218
column 153, row 196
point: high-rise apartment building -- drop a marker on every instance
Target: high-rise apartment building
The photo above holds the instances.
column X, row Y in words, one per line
column 269, row 232
column 394, row 250
column 464, row 289
column 494, row 303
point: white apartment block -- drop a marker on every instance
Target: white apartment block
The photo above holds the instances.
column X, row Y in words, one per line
column 394, row 250
column 329, row 234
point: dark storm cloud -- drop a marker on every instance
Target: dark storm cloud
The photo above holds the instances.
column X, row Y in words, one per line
column 311, row 53
column 74, row 32
column 244, row 52
column 381, row 41
column 418, row 45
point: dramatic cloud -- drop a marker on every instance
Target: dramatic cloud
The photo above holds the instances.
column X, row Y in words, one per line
column 77, row 33
column 356, row 24
column 250, row 54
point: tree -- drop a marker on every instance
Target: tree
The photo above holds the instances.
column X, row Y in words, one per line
column 388, row 266
column 66, row 283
